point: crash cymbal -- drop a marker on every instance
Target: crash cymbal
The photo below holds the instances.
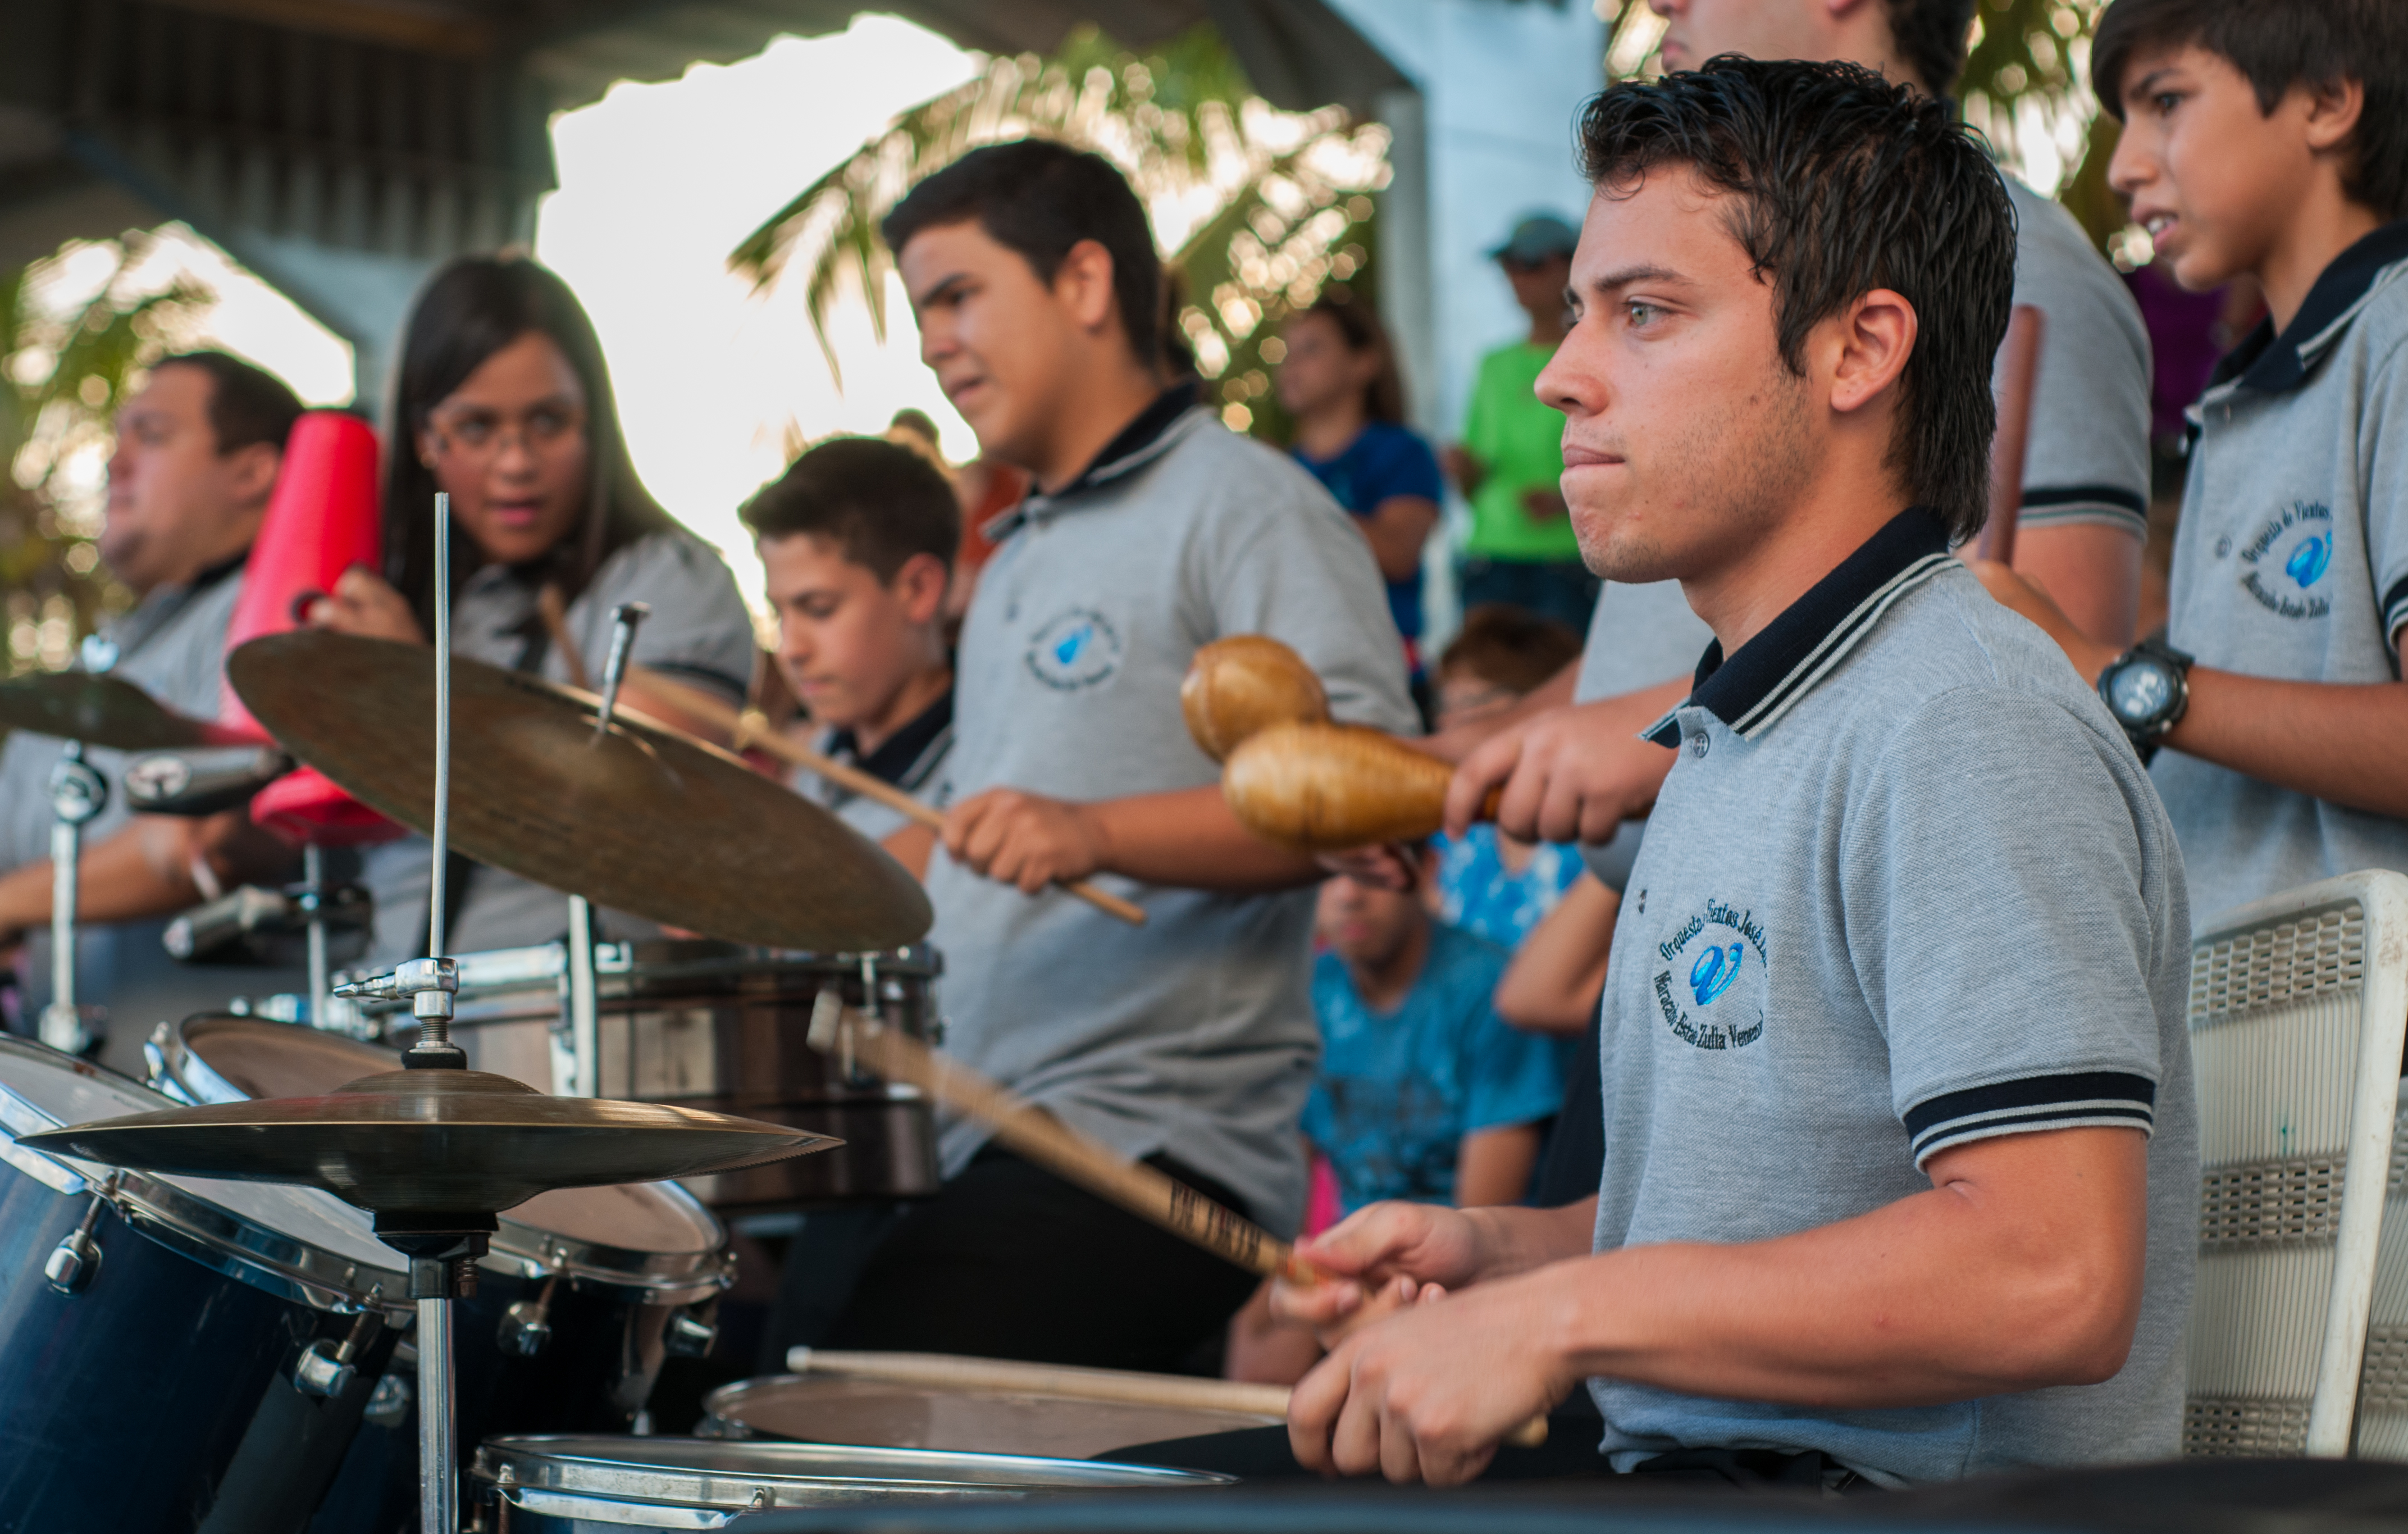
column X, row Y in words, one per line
column 101, row 711
column 644, row 819
column 432, row 1141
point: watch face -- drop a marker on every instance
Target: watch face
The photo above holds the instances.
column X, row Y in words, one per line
column 2142, row 690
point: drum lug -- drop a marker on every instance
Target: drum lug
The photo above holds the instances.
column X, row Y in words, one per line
column 389, row 1402
column 326, row 1369
column 526, row 1326
column 76, row 1260
column 689, row 1336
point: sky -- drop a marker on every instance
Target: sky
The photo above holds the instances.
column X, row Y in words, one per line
column 658, row 184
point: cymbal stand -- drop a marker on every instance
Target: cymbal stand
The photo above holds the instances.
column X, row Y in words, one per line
column 312, row 900
column 584, row 1022
column 77, row 794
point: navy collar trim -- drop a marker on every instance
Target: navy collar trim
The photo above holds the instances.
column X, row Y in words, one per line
column 896, row 756
column 1751, row 690
column 2270, row 363
column 1138, row 441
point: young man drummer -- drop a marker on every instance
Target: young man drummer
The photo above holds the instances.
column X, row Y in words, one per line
column 1901, row 1169
column 1152, row 531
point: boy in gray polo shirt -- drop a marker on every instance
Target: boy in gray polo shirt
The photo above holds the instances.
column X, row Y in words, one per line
column 2273, row 141
column 1152, row 530
column 1901, row 1166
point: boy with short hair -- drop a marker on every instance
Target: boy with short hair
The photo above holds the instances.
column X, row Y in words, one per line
column 856, row 541
column 2271, row 140
column 1151, row 530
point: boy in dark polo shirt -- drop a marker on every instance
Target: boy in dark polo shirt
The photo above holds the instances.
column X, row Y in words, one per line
column 2272, row 141
column 1901, row 1173
column 1152, row 531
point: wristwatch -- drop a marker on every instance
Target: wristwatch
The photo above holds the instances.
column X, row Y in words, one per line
column 2146, row 688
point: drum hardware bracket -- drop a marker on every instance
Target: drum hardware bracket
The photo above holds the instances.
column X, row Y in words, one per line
column 389, row 1402
column 429, row 986
column 689, row 1335
column 327, row 1372
column 75, row 1262
column 526, row 1326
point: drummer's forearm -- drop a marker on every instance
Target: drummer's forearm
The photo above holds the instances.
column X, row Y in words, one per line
column 119, row 879
column 1189, row 838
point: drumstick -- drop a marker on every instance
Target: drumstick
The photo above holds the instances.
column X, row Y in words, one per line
column 1074, row 1157
column 2019, row 370
column 1125, row 1387
column 751, row 730
column 554, row 611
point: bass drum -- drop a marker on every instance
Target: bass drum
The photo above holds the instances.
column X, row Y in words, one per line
column 175, row 1353
column 582, row 1296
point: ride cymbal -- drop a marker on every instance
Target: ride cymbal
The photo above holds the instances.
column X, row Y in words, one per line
column 435, row 1142
column 642, row 818
column 103, row 710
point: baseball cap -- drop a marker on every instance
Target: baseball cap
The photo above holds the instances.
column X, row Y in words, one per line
column 1538, row 236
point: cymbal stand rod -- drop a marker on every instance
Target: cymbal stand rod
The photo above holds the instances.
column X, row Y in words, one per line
column 584, row 1042
column 624, row 619
column 442, row 833
column 313, row 878
column 78, row 793
column 438, row 1479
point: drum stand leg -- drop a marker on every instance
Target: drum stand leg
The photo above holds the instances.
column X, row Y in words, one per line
column 313, row 878
column 78, row 793
column 439, row 1469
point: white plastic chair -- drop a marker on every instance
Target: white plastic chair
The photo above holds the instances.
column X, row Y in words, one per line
column 2299, row 1005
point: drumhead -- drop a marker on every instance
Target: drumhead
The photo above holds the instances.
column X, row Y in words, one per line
column 827, row 1409
column 64, row 1092
column 644, row 1235
column 698, row 1473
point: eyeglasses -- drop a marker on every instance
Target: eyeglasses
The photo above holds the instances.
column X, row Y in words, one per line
column 471, row 432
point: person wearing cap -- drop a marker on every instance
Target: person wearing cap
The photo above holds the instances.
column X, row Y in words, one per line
column 1521, row 549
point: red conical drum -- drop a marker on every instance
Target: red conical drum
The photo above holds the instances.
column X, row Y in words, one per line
column 322, row 519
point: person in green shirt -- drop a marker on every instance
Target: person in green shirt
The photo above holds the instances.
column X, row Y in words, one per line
column 1521, row 549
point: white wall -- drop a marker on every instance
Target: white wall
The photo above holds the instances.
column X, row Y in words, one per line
column 1502, row 84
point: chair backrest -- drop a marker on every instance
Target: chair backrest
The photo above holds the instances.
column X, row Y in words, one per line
column 2299, row 1007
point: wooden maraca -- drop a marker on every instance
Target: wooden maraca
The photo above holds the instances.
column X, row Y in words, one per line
column 1237, row 686
column 1317, row 787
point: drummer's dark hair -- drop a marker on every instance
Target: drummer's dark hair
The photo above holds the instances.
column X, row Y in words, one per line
column 248, row 405
column 1040, row 199
column 1840, row 182
column 878, row 501
column 470, row 310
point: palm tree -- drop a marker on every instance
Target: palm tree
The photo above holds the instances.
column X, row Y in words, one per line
column 1254, row 208
column 63, row 369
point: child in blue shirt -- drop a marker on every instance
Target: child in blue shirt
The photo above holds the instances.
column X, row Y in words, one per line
column 1422, row 1094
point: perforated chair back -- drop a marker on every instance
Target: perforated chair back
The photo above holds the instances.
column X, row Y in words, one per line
column 2299, row 1005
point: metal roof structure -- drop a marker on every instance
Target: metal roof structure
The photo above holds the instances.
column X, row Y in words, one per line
column 342, row 148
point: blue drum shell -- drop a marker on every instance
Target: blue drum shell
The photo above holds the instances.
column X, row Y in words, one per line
column 161, row 1398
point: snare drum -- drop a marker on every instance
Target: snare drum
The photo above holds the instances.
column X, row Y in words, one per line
column 830, row 1409
column 173, row 1350
column 715, row 1025
column 582, row 1295
column 588, row 1485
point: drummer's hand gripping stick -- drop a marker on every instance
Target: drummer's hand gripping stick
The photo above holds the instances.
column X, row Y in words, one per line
column 1142, row 1191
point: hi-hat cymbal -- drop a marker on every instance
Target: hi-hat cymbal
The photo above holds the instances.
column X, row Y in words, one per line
column 644, row 819
column 432, row 1141
column 101, row 711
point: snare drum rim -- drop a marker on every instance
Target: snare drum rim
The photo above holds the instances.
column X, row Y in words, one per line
column 792, row 1474
column 208, row 1233
column 517, row 1250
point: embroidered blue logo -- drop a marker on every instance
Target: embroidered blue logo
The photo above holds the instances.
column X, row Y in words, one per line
column 2297, row 541
column 1074, row 649
column 1714, row 970
column 2309, row 562
column 1736, row 1023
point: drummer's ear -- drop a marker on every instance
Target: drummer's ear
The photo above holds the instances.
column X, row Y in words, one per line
column 250, row 473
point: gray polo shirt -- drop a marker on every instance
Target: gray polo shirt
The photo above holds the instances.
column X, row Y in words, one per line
column 1194, row 1034
column 2291, row 560
column 699, row 633
column 172, row 646
column 1851, row 942
column 2087, row 461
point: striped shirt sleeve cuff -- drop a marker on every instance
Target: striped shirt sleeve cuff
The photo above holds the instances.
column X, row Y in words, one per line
column 2395, row 613
column 2086, row 1100
column 2068, row 505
